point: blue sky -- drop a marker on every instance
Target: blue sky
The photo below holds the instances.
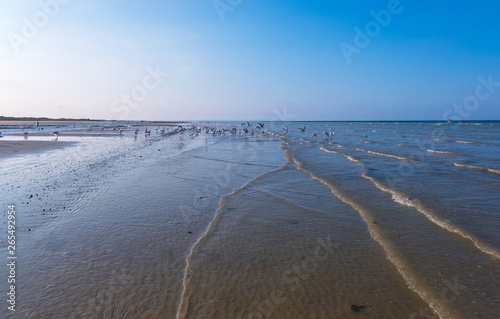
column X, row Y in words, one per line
column 242, row 59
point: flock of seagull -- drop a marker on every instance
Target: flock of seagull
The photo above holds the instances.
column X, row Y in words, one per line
column 244, row 128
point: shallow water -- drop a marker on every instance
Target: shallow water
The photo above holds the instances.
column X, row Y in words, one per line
column 380, row 220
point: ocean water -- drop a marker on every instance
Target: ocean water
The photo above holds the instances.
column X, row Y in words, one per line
column 377, row 220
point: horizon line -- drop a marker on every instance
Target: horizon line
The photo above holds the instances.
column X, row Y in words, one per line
column 26, row 118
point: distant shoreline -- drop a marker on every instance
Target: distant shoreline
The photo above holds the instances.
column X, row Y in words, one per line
column 47, row 119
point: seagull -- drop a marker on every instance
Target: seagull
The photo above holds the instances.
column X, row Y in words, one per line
column 56, row 134
column 146, row 131
column 136, row 131
column 25, row 133
column 302, row 129
column 36, row 124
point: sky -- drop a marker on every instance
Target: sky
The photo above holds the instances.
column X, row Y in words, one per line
column 249, row 59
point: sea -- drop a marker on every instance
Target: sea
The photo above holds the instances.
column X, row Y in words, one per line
column 288, row 220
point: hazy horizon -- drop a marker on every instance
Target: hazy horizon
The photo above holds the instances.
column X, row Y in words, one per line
column 227, row 120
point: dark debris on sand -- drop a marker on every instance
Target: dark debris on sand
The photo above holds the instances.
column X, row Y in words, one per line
column 357, row 308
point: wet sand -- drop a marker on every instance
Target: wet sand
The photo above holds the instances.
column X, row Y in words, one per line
column 147, row 246
column 20, row 148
